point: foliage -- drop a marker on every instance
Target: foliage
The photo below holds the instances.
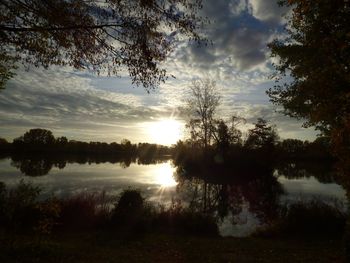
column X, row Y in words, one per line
column 129, row 208
column 261, row 136
column 36, row 137
column 42, row 140
column 223, row 138
column 316, row 54
column 49, row 212
column 293, row 147
column 84, row 210
column 314, row 219
column 5, row 147
column 179, row 219
column 227, row 133
column 18, row 205
column 96, row 35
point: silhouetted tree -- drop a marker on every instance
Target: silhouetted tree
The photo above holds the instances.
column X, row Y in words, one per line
column 223, row 136
column 62, row 140
column 261, row 136
column 292, row 148
column 36, row 138
column 202, row 103
column 227, row 133
column 316, row 54
column 98, row 35
column 4, row 144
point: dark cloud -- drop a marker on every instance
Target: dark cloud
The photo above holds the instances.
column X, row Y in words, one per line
column 239, row 30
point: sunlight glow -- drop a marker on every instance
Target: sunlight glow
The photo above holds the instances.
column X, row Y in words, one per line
column 164, row 175
column 165, row 132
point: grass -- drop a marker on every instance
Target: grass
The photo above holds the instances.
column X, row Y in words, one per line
column 158, row 247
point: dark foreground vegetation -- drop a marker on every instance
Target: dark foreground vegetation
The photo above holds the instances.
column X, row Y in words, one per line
column 98, row 227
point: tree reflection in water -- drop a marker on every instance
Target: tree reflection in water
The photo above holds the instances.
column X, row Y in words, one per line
column 39, row 165
column 36, row 166
column 259, row 194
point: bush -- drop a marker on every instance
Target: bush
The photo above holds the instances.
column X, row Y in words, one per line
column 133, row 214
column 185, row 221
column 315, row 218
column 18, row 206
column 84, row 210
column 129, row 209
column 49, row 212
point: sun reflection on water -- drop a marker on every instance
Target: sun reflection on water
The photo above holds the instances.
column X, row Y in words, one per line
column 164, row 175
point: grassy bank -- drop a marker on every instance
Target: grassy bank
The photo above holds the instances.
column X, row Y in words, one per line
column 103, row 247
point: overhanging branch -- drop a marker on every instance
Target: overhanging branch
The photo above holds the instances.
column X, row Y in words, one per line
column 40, row 29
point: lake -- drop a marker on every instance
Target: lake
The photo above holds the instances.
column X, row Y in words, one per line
column 240, row 208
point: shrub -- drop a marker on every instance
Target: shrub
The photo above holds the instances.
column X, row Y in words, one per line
column 186, row 221
column 18, row 206
column 49, row 212
column 314, row 218
column 129, row 208
column 84, row 210
column 133, row 214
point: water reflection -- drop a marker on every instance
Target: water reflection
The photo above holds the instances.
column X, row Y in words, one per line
column 239, row 201
column 164, row 175
column 245, row 202
column 39, row 165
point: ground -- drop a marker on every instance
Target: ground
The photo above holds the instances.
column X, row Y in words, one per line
column 97, row 247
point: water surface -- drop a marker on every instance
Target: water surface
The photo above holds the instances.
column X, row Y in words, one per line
column 240, row 208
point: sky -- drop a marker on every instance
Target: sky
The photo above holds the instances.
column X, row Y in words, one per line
column 83, row 106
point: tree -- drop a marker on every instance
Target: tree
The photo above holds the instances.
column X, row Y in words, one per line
column 4, row 145
column 223, row 136
column 96, row 35
column 62, row 141
column 292, row 147
column 316, row 55
column 261, row 136
column 227, row 133
column 202, row 105
column 35, row 137
column 3, row 141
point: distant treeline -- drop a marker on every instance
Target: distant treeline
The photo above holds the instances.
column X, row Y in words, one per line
column 42, row 141
column 261, row 144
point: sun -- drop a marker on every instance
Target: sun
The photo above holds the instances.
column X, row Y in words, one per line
column 166, row 132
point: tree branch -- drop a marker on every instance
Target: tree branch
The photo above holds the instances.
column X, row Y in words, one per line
column 39, row 29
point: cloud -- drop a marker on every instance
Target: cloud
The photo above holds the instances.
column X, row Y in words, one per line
column 240, row 31
column 269, row 11
column 64, row 101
